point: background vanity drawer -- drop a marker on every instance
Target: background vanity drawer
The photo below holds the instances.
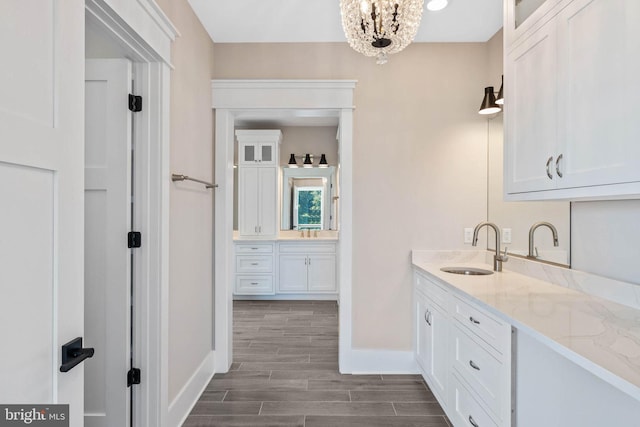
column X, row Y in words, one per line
column 307, row 248
column 467, row 411
column 258, row 248
column 254, row 264
column 432, row 290
column 254, row 285
column 482, row 371
column 482, row 324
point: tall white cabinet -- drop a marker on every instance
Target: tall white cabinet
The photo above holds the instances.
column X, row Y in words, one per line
column 571, row 92
column 258, row 183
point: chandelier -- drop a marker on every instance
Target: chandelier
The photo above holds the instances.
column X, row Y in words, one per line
column 380, row 27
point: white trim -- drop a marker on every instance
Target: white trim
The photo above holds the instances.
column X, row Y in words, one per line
column 145, row 30
column 294, row 297
column 188, row 396
column 235, row 96
column 152, row 181
column 160, row 18
column 383, row 362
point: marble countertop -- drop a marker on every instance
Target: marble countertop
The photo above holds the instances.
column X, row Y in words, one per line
column 599, row 335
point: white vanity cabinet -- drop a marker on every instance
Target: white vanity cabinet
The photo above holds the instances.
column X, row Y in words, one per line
column 258, row 183
column 464, row 354
column 307, row 267
column 254, row 268
column 432, row 330
column 570, row 100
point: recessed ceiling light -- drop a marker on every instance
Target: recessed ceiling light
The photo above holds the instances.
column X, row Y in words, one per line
column 436, row 5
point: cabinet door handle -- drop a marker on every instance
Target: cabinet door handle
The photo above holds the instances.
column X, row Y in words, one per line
column 309, row 261
column 473, row 422
column 549, row 174
column 472, row 320
column 558, row 165
column 427, row 317
column 473, row 365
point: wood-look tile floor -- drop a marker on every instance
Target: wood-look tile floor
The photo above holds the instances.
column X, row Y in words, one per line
column 285, row 373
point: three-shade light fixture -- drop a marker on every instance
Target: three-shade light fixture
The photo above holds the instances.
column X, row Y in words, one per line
column 308, row 161
column 492, row 104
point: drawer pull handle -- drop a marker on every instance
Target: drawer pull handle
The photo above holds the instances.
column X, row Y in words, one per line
column 473, row 365
column 472, row 320
column 254, row 263
column 254, row 283
column 473, row 422
column 254, row 249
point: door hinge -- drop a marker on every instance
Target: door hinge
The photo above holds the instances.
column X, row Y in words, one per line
column 135, row 103
column 133, row 377
column 134, row 239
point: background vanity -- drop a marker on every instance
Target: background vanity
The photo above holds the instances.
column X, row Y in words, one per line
column 285, row 245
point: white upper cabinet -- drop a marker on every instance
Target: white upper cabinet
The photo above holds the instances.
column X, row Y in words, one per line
column 258, row 147
column 571, row 88
column 599, row 129
column 258, row 182
column 531, row 119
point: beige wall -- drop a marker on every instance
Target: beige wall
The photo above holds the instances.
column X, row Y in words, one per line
column 419, row 160
column 313, row 140
column 191, row 214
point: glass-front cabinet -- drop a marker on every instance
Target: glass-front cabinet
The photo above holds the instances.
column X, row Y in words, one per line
column 521, row 16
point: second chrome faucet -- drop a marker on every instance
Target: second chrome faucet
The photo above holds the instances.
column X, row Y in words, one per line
column 499, row 257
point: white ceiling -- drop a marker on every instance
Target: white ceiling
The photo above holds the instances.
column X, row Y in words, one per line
column 278, row 21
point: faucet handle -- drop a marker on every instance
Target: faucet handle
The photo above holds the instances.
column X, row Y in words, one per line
column 504, row 257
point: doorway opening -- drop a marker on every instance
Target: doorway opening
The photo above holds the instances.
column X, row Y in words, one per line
column 126, row 213
column 234, row 100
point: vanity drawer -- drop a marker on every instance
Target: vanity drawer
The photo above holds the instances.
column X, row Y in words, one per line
column 258, row 248
column 467, row 411
column 432, row 290
column 307, row 248
column 254, row 285
column 482, row 371
column 496, row 333
column 254, row 263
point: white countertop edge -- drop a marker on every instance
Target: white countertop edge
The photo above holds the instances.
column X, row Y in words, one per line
column 592, row 367
column 287, row 239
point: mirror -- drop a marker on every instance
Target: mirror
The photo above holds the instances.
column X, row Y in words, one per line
column 308, row 199
column 520, row 216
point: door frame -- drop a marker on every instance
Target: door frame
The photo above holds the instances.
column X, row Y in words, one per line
column 232, row 97
column 146, row 33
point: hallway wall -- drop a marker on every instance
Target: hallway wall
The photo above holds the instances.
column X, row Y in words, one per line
column 191, row 213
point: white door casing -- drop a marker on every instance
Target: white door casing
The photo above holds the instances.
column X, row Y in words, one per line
column 231, row 97
column 41, row 215
column 108, row 142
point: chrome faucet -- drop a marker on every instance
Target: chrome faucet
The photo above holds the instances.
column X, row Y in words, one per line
column 533, row 229
column 498, row 258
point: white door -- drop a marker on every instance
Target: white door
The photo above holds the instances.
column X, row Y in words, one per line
column 248, row 201
column 531, row 113
column 293, row 273
column 322, row 272
column 107, row 258
column 268, row 201
column 41, row 189
column 599, row 127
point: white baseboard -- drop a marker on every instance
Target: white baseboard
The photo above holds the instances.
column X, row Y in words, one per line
column 187, row 397
column 289, row 297
column 383, row 362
